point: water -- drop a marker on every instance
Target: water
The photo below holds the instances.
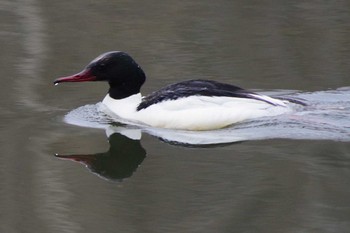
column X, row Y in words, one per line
column 66, row 168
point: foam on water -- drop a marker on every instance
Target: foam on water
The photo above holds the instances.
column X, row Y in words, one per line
column 88, row 116
column 326, row 117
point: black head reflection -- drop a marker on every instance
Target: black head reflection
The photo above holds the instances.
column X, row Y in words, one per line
column 119, row 162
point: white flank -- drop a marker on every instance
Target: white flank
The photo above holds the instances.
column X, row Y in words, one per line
column 193, row 113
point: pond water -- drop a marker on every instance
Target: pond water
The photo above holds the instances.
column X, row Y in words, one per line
column 65, row 167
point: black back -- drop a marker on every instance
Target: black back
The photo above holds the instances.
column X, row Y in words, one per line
column 195, row 87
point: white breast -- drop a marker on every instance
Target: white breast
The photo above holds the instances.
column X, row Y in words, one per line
column 192, row 113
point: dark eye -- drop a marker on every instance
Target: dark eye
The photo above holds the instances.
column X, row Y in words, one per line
column 102, row 65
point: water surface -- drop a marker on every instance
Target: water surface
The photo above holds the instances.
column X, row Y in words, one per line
column 286, row 174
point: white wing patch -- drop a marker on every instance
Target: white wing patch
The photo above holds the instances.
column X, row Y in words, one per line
column 268, row 99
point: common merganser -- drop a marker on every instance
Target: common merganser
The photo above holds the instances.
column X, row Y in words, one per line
column 187, row 105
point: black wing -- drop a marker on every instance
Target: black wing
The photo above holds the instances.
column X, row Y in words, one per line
column 199, row 88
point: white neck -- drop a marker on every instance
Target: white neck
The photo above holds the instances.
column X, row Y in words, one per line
column 123, row 108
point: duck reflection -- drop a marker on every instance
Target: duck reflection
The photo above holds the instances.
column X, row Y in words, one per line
column 121, row 160
column 126, row 152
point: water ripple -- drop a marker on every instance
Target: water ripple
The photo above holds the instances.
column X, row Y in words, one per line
column 326, row 117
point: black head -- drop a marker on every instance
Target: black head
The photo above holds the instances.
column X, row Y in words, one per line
column 123, row 74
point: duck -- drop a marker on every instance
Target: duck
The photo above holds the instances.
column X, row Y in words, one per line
column 187, row 105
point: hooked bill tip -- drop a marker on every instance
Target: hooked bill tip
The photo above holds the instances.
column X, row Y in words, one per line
column 82, row 76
